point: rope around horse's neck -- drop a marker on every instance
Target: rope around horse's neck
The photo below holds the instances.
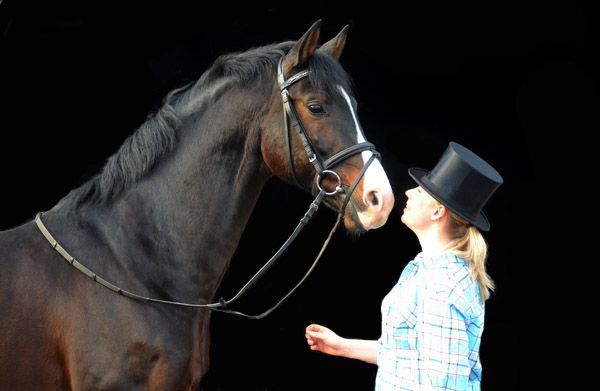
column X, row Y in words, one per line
column 221, row 306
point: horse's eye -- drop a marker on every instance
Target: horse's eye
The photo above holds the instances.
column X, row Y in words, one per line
column 316, row 108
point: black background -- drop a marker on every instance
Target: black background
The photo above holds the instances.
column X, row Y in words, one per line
column 513, row 81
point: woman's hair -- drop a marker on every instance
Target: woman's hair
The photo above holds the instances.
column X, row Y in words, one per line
column 468, row 244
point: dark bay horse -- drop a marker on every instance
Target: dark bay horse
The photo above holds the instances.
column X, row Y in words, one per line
column 164, row 217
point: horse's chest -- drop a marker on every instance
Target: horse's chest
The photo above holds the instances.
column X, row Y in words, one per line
column 145, row 354
column 141, row 366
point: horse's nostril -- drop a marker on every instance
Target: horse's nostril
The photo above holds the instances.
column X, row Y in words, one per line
column 375, row 201
column 372, row 199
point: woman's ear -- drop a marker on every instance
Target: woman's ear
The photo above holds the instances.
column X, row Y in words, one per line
column 439, row 212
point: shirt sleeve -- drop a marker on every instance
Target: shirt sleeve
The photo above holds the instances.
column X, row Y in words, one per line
column 444, row 350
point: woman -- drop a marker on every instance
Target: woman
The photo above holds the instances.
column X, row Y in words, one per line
column 432, row 319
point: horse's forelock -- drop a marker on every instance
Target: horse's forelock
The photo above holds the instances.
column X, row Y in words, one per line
column 328, row 74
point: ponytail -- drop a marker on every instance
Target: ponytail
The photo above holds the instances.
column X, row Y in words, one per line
column 469, row 245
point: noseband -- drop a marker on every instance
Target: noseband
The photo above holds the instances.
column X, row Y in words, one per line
column 322, row 168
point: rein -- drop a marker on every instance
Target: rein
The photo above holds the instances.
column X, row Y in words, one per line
column 222, row 304
column 322, row 168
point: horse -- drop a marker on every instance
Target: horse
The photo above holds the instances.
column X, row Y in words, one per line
column 160, row 222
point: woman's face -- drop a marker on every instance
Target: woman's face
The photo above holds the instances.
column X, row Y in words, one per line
column 419, row 210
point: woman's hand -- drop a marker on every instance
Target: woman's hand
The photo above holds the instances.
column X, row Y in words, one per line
column 322, row 339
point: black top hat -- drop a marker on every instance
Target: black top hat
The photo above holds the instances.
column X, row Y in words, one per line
column 461, row 181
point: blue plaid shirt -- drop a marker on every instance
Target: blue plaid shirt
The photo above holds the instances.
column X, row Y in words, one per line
column 432, row 321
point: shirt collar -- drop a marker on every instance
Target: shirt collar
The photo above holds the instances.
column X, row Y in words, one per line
column 429, row 261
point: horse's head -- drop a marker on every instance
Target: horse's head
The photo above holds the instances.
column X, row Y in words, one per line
column 325, row 147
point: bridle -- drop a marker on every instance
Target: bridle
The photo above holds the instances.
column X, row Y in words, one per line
column 322, row 168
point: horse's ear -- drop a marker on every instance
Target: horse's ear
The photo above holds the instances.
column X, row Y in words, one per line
column 335, row 46
column 303, row 49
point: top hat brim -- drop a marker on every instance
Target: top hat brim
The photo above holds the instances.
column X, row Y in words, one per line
column 420, row 176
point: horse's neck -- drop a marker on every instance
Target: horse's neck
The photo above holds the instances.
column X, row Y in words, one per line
column 191, row 237
column 183, row 221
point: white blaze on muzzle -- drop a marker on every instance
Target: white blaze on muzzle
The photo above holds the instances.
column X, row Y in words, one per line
column 377, row 191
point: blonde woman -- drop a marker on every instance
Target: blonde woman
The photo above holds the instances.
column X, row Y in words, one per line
column 433, row 318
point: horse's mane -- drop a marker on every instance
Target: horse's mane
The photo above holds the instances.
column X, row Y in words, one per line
column 157, row 136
